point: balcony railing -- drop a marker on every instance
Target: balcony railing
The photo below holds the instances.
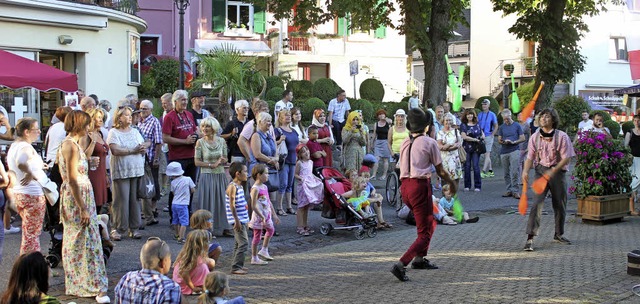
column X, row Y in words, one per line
column 460, row 49
column 522, row 68
column 126, row 6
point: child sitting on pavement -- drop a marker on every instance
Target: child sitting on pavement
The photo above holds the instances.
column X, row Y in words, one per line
column 375, row 199
column 445, row 205
column 358, row 197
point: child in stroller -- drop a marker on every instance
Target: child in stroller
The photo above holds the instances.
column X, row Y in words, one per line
column 358, row 197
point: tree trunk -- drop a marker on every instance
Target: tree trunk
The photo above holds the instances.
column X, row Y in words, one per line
column 435, row 67
column 554, row 14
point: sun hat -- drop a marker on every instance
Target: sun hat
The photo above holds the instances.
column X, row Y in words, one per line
column 370, row 159
column 418, row 120
column 299, row 147
column 174, row 169
column 198, row 94
column 400, row 112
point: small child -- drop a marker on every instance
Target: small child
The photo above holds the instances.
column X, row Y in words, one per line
column 182, row 187
column 446, row 205
column 216, row 287
column 238, row 215
column 192, row 264
column 203, row 219
column 310, row 189
column 376, row 201
column 261, row 217
column 358, row 197
column 351, row 175
column 316, row 153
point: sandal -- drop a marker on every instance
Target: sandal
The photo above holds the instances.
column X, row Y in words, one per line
column 281, row 212
column 386, row 225
column 291, row 211
column 308, row 229
column 302, row 231
column 115, row 236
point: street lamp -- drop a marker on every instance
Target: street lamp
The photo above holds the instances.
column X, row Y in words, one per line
column 181, row 5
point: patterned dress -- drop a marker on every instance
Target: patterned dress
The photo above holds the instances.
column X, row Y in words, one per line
column 84, row 269
column 310, row 190
column 451, row 159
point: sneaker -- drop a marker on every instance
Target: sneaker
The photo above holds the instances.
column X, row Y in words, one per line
column 12, row 230
column 180, row 241
column 264, row 254
column 258, row 261
column 103, row 299
column 490, row 174
column 448, row 221
column 474, row 219
column 466, row 189
column 424, row 264
column 477, row 190
column 115, row 236
column 165, row 209
column 240, row 271
column 529, row 245
column 561, row 239
column 483, row 174
column 400, row 273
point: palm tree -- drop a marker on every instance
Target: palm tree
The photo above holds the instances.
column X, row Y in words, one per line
column 230, row 75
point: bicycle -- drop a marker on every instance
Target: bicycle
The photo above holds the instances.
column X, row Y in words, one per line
column 392, row 187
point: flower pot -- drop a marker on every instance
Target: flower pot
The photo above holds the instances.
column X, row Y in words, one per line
column 603, row 208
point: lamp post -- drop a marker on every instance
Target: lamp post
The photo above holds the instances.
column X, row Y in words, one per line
column 181, row 5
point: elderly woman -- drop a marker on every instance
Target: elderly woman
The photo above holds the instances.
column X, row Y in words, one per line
column 325, row 135
column 381, row 148
column 287, row 171
column 24, row 161
column 211, row 156
column 473, row 136
column 263, row 148
column 97, row 151
column 353, row 141
column 449, row 140
column 84, row 268
column 127, row 165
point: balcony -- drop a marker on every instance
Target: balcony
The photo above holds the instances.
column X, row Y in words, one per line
column 126, row 6
column 524, row 67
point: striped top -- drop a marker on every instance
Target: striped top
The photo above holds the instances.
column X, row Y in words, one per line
column 241, row 207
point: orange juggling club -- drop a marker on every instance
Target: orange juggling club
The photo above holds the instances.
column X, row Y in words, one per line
column 526, row 113
column 540, row 184
column 522, row 206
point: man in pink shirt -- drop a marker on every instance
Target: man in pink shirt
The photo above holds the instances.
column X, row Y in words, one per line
column 550, row 151
column 417, row 154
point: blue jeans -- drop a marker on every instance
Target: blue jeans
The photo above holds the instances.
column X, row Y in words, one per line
column 286, row 175
column 473, row 159
column 2, row 203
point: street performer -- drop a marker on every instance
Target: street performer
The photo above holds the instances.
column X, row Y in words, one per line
column 417, row 154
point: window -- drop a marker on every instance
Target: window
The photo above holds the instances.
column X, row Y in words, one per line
column 134, row 58
column 618, row 49
column 239, row 15
column 633, row 5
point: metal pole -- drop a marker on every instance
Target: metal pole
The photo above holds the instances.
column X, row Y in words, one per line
column 181, row 49
column 354, row 87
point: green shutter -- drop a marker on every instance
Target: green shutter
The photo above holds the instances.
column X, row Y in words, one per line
column 381, row 32
column 259, row 20
column 219, row 15
column 343, row 26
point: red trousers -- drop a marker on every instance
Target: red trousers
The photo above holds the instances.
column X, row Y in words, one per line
column 416, row 194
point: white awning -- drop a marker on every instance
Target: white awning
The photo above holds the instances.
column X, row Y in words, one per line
column 247, row 47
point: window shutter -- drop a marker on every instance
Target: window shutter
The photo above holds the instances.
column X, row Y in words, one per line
column 259, row 20
column 218, row 16
column 381, row 32
column 343, row 26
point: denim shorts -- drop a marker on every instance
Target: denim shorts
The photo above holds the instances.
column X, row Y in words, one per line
column 180, row 215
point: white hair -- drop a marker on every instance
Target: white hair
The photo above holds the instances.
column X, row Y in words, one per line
column 147, row 103
column 506, row 112
column 179, row 94
column 241, row 103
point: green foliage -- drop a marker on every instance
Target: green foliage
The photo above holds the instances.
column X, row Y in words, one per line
column 525, row 93
column 272, row 106
column 405, row 99
column 614, row 128
column 627, row 126
column 325, row 89
column 372, row 89
column 368, row 112
column 274, row 94
column 274, row 82
column 605, row 115
column 162, row 77
column 493, row 107
column 309, row 106
column 508, row 67
column 300, row 88
column 570, row 110
column 602, row 165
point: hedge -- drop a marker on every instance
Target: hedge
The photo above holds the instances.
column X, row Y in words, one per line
column 325, row 89
column 274, row 82
column 368, row 112
column 372, row 89
column 614, row 128
column 274, row 94
column 309, row 106
column 627, row 126
column 300, row 88
column 570, row 110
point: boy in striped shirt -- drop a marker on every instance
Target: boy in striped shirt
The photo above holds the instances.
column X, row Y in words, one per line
column 238, row 215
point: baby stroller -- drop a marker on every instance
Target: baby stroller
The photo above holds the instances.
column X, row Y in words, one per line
column 336, row 207
column 53, row 225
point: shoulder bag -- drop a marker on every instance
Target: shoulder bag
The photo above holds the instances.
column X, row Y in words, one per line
column 461, row 152
column 146, row 187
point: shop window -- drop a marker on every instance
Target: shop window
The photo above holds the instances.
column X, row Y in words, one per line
column 134, row 59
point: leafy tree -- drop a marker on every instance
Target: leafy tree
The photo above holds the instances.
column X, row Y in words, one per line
column 161, row 78
column 426, row 24
column 558, row 26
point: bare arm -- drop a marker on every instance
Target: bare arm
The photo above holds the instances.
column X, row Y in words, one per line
column 72, row 157
column 118, row 150
column 297, row 172
column 445, row 176
column 255, row 205
column 256, row 146
column 167, row 139
column 390, row 138
column 627, row 139
column 244, row 146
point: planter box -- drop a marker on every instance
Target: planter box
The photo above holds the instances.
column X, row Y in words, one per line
column 603, row 208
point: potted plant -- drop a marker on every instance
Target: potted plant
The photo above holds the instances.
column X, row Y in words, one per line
column 508, row 69
column 601, row 177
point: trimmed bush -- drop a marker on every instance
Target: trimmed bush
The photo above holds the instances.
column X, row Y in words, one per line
column 274, row 94
column 274, row 82
column 300, row 88
column 605, row 115
column 614, row 128
column 325, row 89
column 309, row 106
column 525, row 93
column 493, row 107
column 627, row 126
column 372, row 89
column 570, row 110
column 391, row 107
column 368, row 113
column 272, row 106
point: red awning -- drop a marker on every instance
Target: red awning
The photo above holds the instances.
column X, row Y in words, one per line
column 17, row 72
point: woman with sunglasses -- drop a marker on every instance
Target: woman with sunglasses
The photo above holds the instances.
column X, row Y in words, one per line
column 325, row 135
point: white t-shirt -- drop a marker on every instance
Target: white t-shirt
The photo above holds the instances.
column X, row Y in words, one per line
column 585, row 125
column 23, row 153
column 54, row 138
column 126, row 166
column 281, row 105
column 414, row 102
column 180, row 186
column 338, row 109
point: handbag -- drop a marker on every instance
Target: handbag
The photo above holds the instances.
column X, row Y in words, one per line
column 50, row 190
column 273, row 184
column 282, row 150
column 461, row 152
column 480, row 147
column 146, row 187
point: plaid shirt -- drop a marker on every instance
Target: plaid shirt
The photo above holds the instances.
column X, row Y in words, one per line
column 147, row 286
column 151, row 131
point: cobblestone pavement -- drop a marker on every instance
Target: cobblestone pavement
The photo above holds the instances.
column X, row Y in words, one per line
column 481, row 262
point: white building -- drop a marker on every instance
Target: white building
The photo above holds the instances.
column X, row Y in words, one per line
column 98, row 43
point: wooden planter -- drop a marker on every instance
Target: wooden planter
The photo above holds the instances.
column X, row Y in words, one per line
column 603, row 208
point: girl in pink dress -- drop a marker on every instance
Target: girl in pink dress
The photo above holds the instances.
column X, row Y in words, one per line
column 192, row 264
column 310, row 191
column 263, row 215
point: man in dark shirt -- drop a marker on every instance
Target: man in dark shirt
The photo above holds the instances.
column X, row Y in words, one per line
column 197, row 102
column 232, row 131
column 510, row 135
